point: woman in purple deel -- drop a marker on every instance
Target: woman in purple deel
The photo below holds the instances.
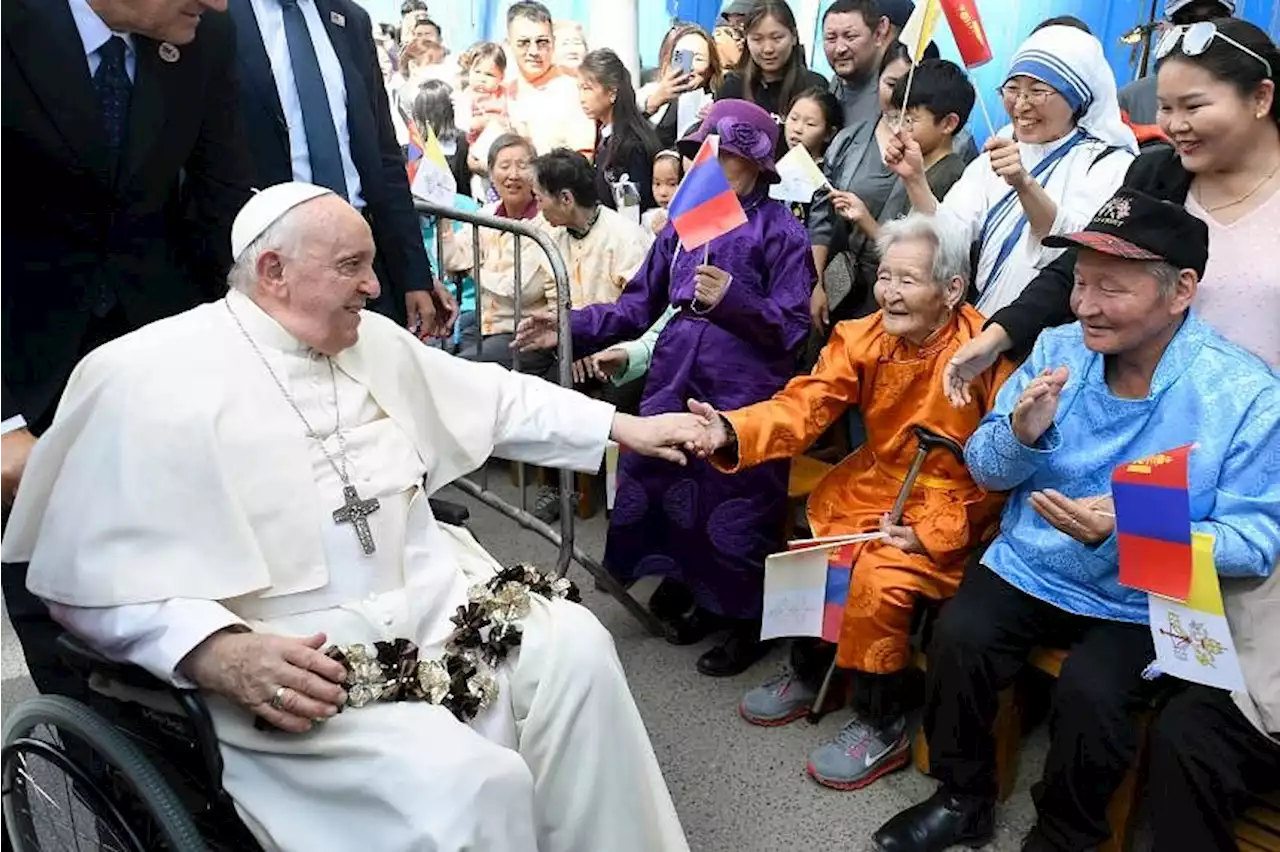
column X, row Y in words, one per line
column 741, row 320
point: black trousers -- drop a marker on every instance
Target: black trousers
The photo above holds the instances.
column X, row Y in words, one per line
column 1205, row 761
column 979, row 645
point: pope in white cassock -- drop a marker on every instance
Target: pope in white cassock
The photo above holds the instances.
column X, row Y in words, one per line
column 227, row 493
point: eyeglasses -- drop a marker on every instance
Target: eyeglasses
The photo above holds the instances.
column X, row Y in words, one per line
column 1196, row 38
column 541, row 44
column 1035, row 97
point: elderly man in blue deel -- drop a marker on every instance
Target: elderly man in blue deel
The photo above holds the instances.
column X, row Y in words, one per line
column 1137, row 375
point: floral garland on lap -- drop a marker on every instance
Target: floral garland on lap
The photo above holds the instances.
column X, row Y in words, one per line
column 486, row 630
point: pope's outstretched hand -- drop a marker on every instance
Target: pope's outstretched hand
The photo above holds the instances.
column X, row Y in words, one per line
column 664, row 436
column 538, row 330
column 283, row 679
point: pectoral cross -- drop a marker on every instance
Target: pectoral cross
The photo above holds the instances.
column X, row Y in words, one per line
column 354, row 511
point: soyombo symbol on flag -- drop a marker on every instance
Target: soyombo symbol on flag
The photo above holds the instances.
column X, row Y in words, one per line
column 705, row 205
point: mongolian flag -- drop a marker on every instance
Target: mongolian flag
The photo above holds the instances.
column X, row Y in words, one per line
column 705, row 205
column 966, row 26
column 1153, row 523
column 839, row 572
column 416, row 149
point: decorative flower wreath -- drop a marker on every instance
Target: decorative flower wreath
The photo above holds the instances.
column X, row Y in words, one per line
column 462, row 680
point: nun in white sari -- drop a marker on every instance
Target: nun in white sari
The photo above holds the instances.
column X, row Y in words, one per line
column 1065, row 153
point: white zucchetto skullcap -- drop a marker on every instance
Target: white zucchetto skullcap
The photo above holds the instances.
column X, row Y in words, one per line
column 265, row 208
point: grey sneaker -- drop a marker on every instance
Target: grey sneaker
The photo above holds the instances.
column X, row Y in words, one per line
column 780, row 700
column 860, row 754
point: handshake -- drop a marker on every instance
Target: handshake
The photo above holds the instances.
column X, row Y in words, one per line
column 702, row 431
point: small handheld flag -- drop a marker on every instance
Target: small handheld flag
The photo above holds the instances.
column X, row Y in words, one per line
column 1153, row 523
column 916, row 35
column 918, row 31
column 432, row 151
column 966, row 26
column 799, row 177
column 415, row 151
column 705, row 206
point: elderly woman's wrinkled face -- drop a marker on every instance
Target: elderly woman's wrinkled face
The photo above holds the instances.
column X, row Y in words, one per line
column 741, row 172
column 570, row 47
column 1208, row 120
column 1039, row 113
column 317, row 288
column 914, row 305
column 1119, row 303
column 512, row 179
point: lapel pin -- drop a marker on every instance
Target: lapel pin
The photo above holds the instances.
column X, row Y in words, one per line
column 168, row 52
column 338, row 18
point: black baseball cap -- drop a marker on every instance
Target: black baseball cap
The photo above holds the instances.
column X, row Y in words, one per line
column 1136, row 226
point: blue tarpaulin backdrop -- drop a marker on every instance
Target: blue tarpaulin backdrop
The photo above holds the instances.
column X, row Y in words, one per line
column 1007, row 23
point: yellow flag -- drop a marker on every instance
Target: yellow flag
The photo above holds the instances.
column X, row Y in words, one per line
column 918, row 32
column 433, row 152
column 1205, row 594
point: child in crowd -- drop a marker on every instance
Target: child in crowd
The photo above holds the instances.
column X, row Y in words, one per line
column 668, row 171
column 486, row 88
column 813, row 120
column 940, row 101
column 433, row 113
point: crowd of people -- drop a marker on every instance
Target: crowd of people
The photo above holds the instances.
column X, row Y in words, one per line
column 1091, row 287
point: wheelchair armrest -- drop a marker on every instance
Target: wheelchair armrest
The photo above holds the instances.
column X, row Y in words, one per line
column 452, row 514
column 80, row 657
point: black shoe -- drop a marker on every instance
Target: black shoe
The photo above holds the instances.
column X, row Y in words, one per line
column 547, row 507
column 670, row 600
column 937, row 823
column 693, row 626
column 740, row 650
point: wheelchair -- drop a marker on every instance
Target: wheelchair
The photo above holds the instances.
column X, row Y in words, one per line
column 133, row 767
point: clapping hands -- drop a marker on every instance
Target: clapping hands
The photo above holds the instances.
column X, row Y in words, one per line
column 1034, row 411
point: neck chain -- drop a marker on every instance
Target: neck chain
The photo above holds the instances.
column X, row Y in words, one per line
column 354, row 510
column 1242, row 199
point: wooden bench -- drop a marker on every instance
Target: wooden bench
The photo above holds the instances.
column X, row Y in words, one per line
column 1258, row 830
column 1008, row 742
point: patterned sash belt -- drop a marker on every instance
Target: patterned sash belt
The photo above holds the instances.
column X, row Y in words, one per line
column 462, row 679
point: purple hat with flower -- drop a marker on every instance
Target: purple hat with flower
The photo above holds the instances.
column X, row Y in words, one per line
column 744, row 129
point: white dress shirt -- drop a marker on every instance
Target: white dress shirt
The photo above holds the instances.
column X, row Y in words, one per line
column 94, row 33
column 270, row 17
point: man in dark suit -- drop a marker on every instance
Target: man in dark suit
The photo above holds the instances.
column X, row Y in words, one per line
column 316, row 111
column 127, row 165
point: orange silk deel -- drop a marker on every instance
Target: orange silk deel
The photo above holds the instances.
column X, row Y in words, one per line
column 895, row 385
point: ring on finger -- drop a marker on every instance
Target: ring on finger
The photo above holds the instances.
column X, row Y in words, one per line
column 277, row 698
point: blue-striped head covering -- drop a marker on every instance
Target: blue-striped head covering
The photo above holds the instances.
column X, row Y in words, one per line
column 1054, row 71
column 1073, row 63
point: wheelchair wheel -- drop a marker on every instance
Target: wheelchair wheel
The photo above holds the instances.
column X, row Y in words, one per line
column 71, row 780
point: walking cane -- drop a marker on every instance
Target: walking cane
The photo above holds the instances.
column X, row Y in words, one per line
column 927, row 442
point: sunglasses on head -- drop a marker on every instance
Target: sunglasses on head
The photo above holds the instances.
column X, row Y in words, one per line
column 1195, row 40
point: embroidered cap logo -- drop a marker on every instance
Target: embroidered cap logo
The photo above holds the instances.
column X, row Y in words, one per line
column 1114, row 213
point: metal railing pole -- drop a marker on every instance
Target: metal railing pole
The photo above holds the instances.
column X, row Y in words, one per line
column 564, row 539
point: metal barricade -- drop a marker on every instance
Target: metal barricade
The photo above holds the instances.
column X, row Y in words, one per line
column 564, row 537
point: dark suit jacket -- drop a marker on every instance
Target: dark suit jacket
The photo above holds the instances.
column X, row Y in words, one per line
column 383, row 180
column 155, row 229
